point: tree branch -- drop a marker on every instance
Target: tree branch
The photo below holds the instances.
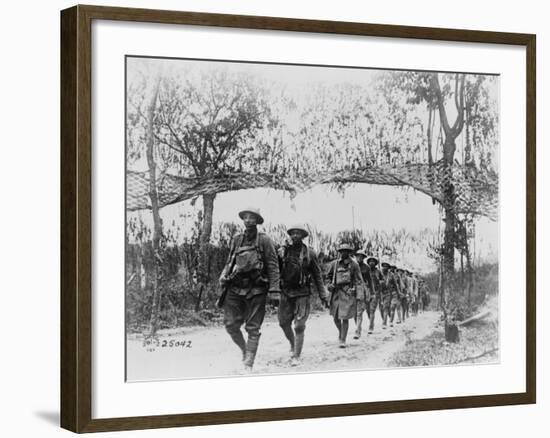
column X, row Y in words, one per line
column 459, row 102
column 440, row 104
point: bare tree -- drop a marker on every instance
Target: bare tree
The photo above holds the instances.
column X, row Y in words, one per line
column 157, row 224
column 209, row 119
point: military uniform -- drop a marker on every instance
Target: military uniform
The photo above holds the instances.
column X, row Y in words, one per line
column 403, row 284
column 346, row 286
column 374, row 300
column 362, row 299
column 424, row 295
column 300, row 271
column 396, row 295
column 414, row 294
column 345, row 276
column 386, row 290
column 252, row 270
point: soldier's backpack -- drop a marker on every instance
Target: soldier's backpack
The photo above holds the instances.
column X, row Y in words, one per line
column 341, row 274
column 292, row 273
column 248, row 260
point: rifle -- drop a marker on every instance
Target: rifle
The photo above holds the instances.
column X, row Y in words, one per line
column 225, row 280
column 332, row 284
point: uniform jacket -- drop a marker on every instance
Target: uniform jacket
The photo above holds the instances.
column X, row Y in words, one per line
column 343, row 300
column 356, row 277
column 268, row 254
column 376, row 278
column 312, row 272
column 390, row 284
column 403, row 285
column 370, row 288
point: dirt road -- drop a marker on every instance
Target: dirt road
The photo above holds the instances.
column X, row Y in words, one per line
column 209, row 352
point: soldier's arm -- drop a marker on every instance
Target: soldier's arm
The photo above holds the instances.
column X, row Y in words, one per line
column 224, row 272
column 330, row 274
column 397, row 284
column 271, row 264
column 317, row 275
column 375, row 281
column 369, row 285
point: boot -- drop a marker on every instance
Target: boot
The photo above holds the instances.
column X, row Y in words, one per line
column 238, row 339
column 371, row 323
column 289, row 333
column 298, row 344
column 359, row 322
column 338, row 324
column 250, row 353
column 343, row 334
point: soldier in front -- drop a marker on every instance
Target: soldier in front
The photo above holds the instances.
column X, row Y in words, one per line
column 300, row 272
column 346, row 286
column 251, row 271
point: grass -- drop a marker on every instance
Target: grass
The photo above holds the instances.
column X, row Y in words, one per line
column 478, row 344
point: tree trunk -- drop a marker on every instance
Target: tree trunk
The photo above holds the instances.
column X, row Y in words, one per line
column 430, row 134
column 449, row 146
column 450, row 217
column 451, row 332
column 470, row 270
column 204, row 266
column 441, row 296
column 462, row 270
column 449, row 249
column 157, row 226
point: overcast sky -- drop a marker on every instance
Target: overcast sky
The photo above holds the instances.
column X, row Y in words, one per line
column 363, row 206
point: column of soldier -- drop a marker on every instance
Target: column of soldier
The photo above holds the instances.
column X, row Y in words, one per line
column 255, row 267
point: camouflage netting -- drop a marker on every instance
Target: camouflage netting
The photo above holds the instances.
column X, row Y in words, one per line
column 474, row 191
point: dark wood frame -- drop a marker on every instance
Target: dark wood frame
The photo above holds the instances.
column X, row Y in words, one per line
column 76, row 218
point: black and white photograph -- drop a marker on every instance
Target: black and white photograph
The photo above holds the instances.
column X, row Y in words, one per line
column 294, row 218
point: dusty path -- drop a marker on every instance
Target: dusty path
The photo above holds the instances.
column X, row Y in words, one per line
column 208, row 352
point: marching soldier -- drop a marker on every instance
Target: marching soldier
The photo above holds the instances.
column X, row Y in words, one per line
column 413, row 300
column 251, row 271
column 362, row 304
column 403, row 284
column 395, row 292
column 424, row 294
column 414, row 293
column 375, row 278
column 386, row 289
column 300, row 271
column 346, row 286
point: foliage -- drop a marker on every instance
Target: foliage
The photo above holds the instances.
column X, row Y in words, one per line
column 479, row 344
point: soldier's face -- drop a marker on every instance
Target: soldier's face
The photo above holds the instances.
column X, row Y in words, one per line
column 360, row 258
column 344, row 254
column 372, row 263
column 250, row 220
column 296, row 236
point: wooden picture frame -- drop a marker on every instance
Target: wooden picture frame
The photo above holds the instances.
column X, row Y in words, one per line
column 76, row 217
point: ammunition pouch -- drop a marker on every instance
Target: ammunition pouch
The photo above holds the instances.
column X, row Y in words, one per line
column 248, row 280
